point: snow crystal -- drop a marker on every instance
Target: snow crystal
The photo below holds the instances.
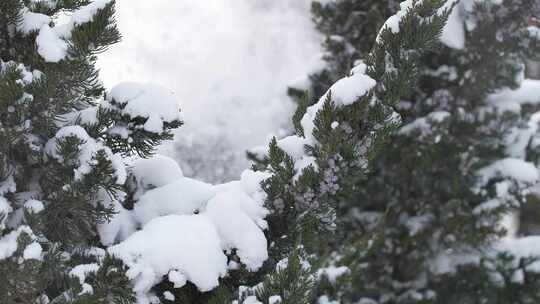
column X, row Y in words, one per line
column 150, row 101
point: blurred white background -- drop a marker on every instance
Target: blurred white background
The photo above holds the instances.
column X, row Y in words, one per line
column 228, row 61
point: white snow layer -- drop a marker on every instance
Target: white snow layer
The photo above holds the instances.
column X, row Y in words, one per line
column 51, row 41
column 88, row 148
column 150, row 101
column 186, row 228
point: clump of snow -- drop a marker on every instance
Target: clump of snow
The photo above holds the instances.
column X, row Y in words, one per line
column 511, row 100
column 187, row 243
column 5, row 210
column 424, row 125
column 34, row 206
column 80, row 272
column 392, row 23
column 453, row 34
column 274, row 299
column 87, row 151
column 344, row 92
column 187, row 226
column 50, row 46
column 31, row 21
column 8, row 242
column 150, row 101
column 512, row 168
column 348, row 89
column 52, row 42
column 333, row 273
column 184, row 196
column 32, row 251
column 238, row 219
column 120, row 226
column 156, row 171
column 167, row 295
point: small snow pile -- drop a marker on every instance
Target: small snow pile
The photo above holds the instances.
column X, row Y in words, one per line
column 119, row 227
column 50, row 46
column 512, row 100
column 509, row 168
column 184, row 196
column 332, row 273
column 8, row 244
column 52, row 42
column 31, row 22
column 88, row 149
column 348, row 89
column 453, row 34
column 5, row 210
column 424, row 125
column 150, row 101
column 80, row 272
column 187, row 226
column 344, row 92
column 34, row 206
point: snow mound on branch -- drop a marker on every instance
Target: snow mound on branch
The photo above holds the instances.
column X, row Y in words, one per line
column 150, row 101
column 187, row 243
column 453, row 34
column 344, row 92
column 511, row 100
column 50, row 46
column 5, row 210
column 156, row 171
column 9, row 245
column 184, row 196
column 511, row 168
column 187, row 226
column 51, row 41
column 88, row 149
column 31, row 21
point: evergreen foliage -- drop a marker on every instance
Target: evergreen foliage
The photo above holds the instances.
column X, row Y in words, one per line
column 60, row 166
column 419, row 222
